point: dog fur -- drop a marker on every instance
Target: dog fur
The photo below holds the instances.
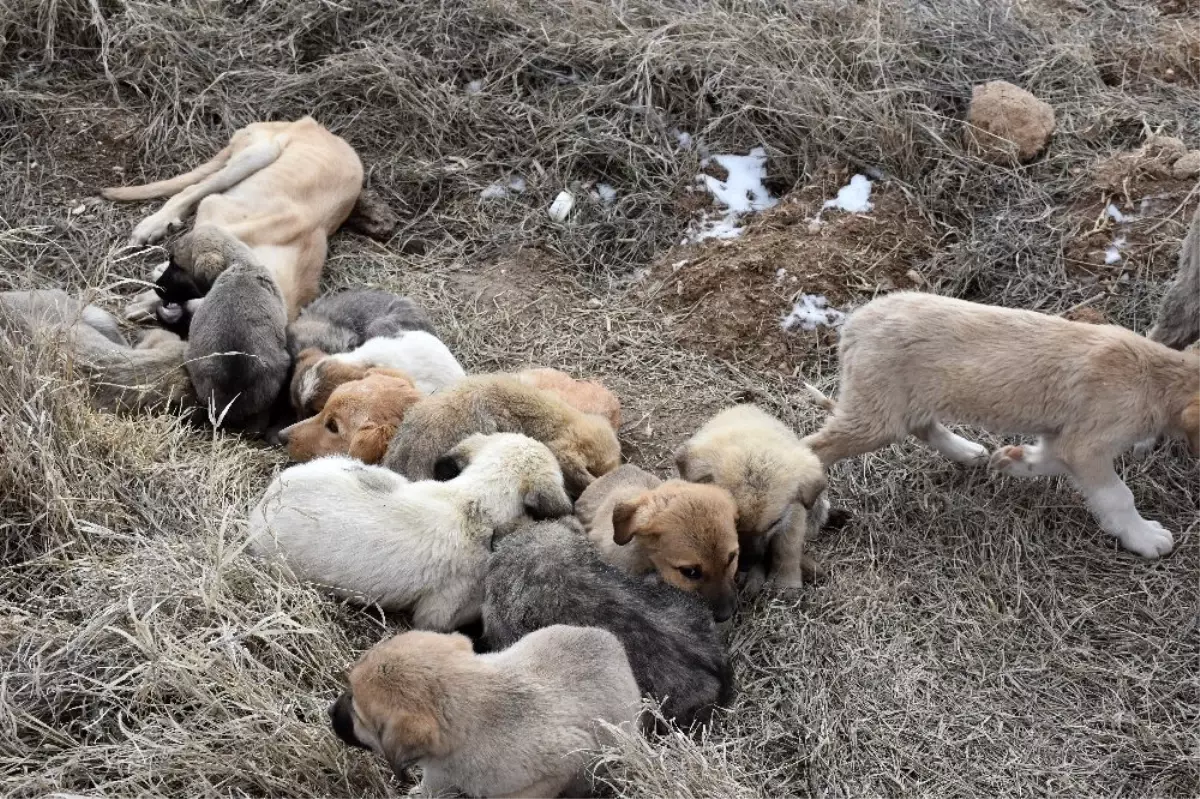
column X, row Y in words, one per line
column 1178, row 323
column 588, row 396
column 685, row 531
column 237, row 352
column 548, row 573
column 359, row 419
column 585, row 445
column 282, row 188
column 370, row 534
column 519, row 723
column 912, row 361
column 119, row 377
column 343, row 320
column 420, row 355
column 777, row 484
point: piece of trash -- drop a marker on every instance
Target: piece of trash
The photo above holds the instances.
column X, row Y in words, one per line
column 811, row 312
column 1113, row 254
column 606, row 193
column 79, row 209
column 560, row 209
column 854, row 197
column 505, row 188
column 474, row 87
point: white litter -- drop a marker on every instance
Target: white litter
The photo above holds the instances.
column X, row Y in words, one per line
column 504, row 188
column 474, row 87
column 1113, row 253
column 684, row 139
column 606, row 193
column 741, row 192
column 854, row 197
column 780, row 274
column 79, row 209
column 560, row 209
column 810, row 312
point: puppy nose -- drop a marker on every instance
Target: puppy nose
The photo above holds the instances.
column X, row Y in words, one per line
column 284, row 435
column 723, row 606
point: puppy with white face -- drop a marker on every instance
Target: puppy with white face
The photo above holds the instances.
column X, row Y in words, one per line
column 369, row 534
column 516, row 723
column 777, row 484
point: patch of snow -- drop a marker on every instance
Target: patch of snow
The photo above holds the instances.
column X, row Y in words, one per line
column 810, row 312
column 503, row 188
column 606, row 193
column 780, row 274
column 1114, row 213
column 854, row 197
column 742, row 192
column 474, row 87
column 1113, row 254
column 684, row 138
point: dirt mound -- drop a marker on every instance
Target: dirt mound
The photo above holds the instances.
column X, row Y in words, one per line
column 729, row 298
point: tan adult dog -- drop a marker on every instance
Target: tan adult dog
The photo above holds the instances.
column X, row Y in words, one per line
column 282, row 188
column 911, row 361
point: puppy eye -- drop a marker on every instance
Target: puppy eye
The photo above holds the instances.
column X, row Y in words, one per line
column 691, row 572
column 732, row 557
column 332, row 425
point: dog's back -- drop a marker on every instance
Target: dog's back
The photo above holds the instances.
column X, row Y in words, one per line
column 341, row 321
column 548, row 573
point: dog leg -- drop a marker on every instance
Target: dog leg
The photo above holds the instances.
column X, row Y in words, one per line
column 1111, row 502
column 953, row 446
column 1030, row 460
column 547, row 788
column 791, row 567
column 842, row 438
column 143, row 308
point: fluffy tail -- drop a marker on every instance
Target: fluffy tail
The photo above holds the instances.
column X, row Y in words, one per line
column 171, row 186
column 820, row 399
column 1178, row 323
column 134, row 379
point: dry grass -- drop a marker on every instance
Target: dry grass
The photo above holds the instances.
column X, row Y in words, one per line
column 977, row 635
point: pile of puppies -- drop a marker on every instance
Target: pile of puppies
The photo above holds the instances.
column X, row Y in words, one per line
column 499, row 502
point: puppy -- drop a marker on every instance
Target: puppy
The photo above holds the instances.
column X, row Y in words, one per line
column 548, row 573
column 585, row 445
column 514, row 723
column 777, row 484
column 1178, row 323
column 281, row 188
column 359, row 420
column 343, row 320
column 418, row 354
column 911, row 361
column 684, row 531
column 584, row 395
column 370, row 534
column 119, row 377
column 237, row 353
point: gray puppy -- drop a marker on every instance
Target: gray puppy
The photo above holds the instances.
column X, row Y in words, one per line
column 342, row 321
column 1178, row 323
column 237, row 353
column 548, row 572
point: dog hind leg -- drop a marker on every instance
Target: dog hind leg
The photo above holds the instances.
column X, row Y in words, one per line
column 844, row 437
column 953, row 446
column 1029, row 460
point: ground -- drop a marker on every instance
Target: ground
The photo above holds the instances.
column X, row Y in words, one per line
column 977, row 635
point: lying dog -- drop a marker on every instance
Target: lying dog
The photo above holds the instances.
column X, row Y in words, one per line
column 911, row 361
column 119, row 377
column 1178, row 323
column 370, row 534
column 777, row 484
column 548, row 573
column 585, row 445
column 515, row 723
column 343, row 320
column 420, row 355
column 237, row 353
column 359, row 419
column 684, row 531
column 282, row 188
column 583, row 395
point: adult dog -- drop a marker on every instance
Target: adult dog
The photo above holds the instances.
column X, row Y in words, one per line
column 282, row 188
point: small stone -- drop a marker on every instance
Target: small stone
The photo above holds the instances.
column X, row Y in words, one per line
column 1005, row 122
column 1187, row 166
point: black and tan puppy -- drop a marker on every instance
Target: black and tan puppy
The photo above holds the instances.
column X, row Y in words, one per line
column 584, row 444
column 548, row 573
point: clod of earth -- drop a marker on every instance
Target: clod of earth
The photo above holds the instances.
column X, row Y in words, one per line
column 1005, row 121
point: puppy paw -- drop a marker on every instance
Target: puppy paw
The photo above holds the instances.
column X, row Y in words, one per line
column 142, row 310
column 1148, row 539
column 153, row 228
column 752, row 583
column 1010, row 459
column 1143, row 448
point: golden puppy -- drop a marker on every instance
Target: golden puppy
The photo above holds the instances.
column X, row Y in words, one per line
column 776, row 482
column 584, row 395
column 684, row 531
column 359, row 419
column 517, row 723
column 912, row 361
column 585, row 445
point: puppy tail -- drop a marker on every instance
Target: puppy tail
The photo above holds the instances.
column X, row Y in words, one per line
column 820, row 399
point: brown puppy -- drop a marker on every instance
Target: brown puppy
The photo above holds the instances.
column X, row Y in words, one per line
column 684, row 531
column 585, row 445
column 359, row 419
column 584, row 395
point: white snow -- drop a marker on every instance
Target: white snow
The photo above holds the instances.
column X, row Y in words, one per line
column 1114, row 213
column 742, row 192
column 810, row 312
column 474, row 87
column 1113, row 253
column 684, row 138
column 606, row 193
column 854, row 197
column 504, row 188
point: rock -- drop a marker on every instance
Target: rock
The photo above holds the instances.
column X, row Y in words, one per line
column 1005, row 121
column 1187, row 166
column 372, row 217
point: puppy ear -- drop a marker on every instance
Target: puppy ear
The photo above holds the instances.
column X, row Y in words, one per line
column 692, row 469
column 370, row 442
column 809, row 490
column 449, row 466
column 385, row 371
column 624, row 519
column 409, row 736
column 576, row 476
column 548, row 502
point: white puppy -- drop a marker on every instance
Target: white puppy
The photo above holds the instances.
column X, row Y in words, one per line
column 367, row 533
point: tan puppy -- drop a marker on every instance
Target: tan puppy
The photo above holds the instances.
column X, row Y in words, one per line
column 684, row 531
column 519, row 722
column 777, row 483
column 359, row 419
column 911, row 361
column 584, row 395
column 282, row 188
column 585, row 445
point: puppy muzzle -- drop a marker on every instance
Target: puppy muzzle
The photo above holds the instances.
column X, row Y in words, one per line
column 342, row 718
